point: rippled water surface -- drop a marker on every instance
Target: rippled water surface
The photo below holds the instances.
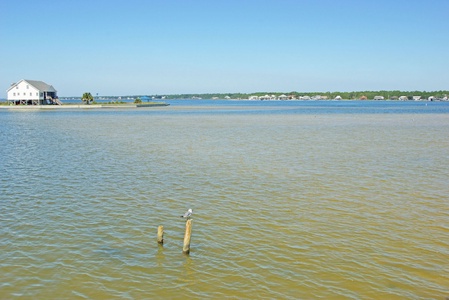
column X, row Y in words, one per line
column 287, row 204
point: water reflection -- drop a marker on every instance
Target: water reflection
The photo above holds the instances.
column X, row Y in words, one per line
column 160, row 255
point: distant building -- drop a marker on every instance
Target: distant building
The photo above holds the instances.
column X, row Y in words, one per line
column 379, row 98
column 416, row 98
column 403, row 98
column 337, row 98
column 267, row 97
column 283, row 97
column 32, row 92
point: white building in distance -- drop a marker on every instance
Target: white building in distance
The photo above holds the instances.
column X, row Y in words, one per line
column 32, row 92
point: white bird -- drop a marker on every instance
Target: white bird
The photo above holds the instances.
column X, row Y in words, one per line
column 187, row 214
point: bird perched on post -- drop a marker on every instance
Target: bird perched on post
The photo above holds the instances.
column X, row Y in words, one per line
column 188, row 214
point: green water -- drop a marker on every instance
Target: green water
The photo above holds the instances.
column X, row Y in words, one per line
column 286, row 206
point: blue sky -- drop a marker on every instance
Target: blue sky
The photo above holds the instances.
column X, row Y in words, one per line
column 196, row 46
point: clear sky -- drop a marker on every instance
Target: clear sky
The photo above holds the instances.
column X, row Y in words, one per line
column 151, row 47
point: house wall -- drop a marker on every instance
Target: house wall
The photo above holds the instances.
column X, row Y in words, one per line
column 24, row 91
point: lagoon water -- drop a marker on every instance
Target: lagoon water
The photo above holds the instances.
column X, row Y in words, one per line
column 291, row 200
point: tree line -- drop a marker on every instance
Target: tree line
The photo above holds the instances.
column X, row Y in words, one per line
column 395, row 94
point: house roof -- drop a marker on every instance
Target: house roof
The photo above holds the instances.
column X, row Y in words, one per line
column 40, row 85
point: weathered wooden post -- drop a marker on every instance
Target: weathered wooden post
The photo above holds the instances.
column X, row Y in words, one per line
column 186, row 246
column 160, row 234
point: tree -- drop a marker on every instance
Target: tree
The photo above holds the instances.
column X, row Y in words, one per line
column 87, row 98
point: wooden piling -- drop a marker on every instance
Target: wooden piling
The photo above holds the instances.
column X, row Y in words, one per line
column 186, row 246
column 160, row 234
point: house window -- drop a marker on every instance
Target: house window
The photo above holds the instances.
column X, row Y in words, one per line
column 24, row 94
column 37, row 94
column 31, row 94
column 17, row 87
column 28, row 86
column 14, row 94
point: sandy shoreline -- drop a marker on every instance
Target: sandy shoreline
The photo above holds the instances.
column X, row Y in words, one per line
column 135, row 106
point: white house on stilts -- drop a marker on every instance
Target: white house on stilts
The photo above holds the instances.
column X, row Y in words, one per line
column 32, row 92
